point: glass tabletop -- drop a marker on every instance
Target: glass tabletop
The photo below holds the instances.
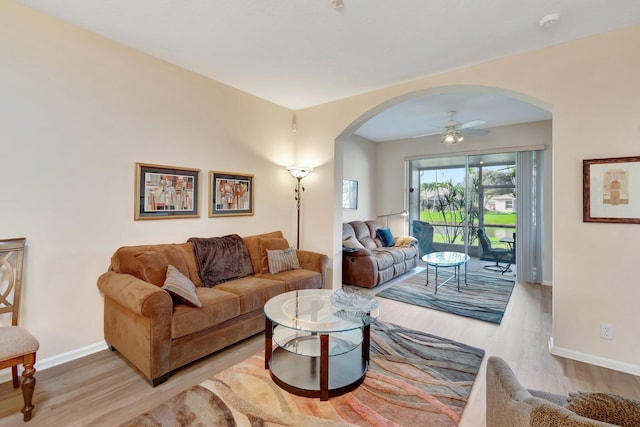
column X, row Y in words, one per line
column 315, row 310
column 445, row 259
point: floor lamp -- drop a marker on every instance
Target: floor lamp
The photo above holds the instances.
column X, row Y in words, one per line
column 299, row 172
column 386, row 224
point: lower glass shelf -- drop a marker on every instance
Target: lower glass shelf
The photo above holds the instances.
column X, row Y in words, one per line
column 308, row 343
column 301, row 374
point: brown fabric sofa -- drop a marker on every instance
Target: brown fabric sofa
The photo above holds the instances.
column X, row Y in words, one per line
column 509, row 404
column 158, row 333
column 366, row 261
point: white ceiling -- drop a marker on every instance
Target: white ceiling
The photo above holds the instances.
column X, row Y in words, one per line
column 301, row 53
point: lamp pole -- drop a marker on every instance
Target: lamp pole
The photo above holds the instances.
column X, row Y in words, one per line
column 299, row 172
column 299, row 190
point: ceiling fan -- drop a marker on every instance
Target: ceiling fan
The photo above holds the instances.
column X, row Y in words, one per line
column 454, row 131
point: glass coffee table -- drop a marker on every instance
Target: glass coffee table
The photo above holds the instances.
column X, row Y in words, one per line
column 321, row 340
column 447, row 259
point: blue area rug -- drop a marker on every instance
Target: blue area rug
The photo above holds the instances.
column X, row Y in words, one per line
column 483, row 298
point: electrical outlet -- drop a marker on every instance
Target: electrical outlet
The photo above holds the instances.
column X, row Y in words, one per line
column 606, row 331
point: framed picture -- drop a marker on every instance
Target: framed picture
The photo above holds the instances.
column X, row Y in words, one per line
column 230, row 194
column 349, row 194
column 166, row 192
column 611, row 190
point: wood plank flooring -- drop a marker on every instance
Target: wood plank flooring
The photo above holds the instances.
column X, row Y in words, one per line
column 103, row 390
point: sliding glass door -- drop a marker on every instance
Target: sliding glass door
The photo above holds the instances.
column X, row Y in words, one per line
column 471, row 203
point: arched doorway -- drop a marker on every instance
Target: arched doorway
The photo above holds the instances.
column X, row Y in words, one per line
column 378, row 165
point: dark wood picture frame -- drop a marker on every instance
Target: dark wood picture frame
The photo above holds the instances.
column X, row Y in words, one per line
column 166, row 192
column 611, row 190
column 230, row 194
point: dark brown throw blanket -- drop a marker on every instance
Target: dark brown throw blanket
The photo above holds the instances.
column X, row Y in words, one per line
column 221, row 259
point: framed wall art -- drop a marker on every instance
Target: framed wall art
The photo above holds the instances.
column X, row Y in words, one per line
column 349, row 194
column 165, row 192
column 230, row 194
column 611, row 190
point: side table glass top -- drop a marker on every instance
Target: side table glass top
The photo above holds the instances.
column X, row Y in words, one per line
column 446, row 259
column 313, row 310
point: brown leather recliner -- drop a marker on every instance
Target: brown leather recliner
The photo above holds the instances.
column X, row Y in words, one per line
column 367, row 262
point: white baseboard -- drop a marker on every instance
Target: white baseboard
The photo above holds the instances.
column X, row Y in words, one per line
column 594, row 360
column 50, row 362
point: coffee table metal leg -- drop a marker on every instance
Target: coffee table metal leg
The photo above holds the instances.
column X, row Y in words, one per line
column 436, row 282
column 324, row 367
column 465, row 274
column 427, row 275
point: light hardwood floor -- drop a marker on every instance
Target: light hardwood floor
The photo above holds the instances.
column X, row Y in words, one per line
column 103, row 390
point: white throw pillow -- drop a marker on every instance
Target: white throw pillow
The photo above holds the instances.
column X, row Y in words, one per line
column 282, row 260
column 352, row 242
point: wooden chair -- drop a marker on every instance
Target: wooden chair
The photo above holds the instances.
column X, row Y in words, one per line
column 17, row 346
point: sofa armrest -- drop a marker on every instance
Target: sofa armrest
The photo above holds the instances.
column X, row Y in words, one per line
column 360, row 268
column 140, row 297
column 314, row 261
column 137, row 323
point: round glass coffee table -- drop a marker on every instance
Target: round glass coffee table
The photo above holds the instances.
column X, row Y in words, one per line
column 447, row 259
column 321, row 342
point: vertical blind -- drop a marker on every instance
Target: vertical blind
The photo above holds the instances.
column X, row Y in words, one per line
column 529, row 232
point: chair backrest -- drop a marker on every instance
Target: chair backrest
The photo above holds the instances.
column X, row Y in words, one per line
column 484, row 241
column 11, row 258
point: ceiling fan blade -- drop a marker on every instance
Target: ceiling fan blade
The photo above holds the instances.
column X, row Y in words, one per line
column 475, row 132
column 473, row 124
column 438, row 132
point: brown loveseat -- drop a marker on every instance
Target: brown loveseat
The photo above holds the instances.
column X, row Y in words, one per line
column 367, row 261
column 158, row 333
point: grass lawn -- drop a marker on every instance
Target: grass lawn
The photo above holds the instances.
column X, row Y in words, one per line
column 490, row 219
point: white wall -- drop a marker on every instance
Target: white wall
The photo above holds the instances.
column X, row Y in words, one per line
column 592, row 87
column 76, row 113
column 359, row 164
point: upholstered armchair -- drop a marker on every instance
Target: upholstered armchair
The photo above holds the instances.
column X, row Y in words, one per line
column 17, row 346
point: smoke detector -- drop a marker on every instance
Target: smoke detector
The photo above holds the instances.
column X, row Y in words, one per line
column 549, row 20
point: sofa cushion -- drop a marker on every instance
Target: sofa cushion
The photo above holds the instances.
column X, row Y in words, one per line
column 383, row 258
column 608, row 408
column 217, row 307
column 255, row 251
column 297, row 279
column 363, row 234
column 127, row 260
column 253, row 291
column 179, row 285
column 152, row 265
column 384, row 234
column 282, row 260
column 270, row 243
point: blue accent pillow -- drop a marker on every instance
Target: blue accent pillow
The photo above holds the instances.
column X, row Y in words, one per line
column 385, row 235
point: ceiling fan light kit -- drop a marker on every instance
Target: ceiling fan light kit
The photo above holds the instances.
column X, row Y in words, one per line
column 451, row 137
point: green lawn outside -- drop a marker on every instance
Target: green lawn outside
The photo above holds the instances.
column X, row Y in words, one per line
column 499, row 219
column 489, row 218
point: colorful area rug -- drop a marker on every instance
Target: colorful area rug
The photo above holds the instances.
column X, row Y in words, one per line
column 414, row 379
column 482, row 298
